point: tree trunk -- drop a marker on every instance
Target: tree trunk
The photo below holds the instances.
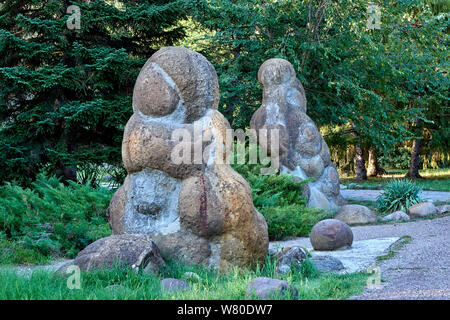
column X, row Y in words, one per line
column 360, row 163
column 413, row 171
column 374, row 168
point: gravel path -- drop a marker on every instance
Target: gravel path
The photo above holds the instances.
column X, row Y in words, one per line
column 418, row 270
column 371, row 195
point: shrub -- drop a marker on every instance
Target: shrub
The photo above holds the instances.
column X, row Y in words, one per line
column 398, row 195
column 52, row 219
column 280, row 200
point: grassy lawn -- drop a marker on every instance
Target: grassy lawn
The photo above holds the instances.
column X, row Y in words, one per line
column 131, row 285
column 433, row 179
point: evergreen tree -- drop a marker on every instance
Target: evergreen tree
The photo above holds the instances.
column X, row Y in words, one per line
column 66, row 80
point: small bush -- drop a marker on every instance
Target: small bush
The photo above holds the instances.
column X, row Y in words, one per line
column 52, row 219
column 280, row 200
column 15, row 253
column 398, row 195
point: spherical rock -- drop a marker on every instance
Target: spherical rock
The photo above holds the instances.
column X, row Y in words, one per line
column 198, row 211
column 330, row 234
column 443, row 208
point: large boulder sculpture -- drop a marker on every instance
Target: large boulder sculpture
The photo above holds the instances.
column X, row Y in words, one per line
column 302, row 150
column 198, row 212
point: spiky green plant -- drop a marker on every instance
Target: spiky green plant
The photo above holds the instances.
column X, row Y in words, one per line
column 398, row 195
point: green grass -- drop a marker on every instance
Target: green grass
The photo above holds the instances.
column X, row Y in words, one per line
column 44, row 285
column 50, row 220
column 433, row 179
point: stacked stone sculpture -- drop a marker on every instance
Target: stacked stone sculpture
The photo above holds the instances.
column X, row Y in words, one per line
column 303, row 151
column 198, row 212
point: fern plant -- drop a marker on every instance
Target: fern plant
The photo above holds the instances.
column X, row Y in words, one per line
column 398, row 195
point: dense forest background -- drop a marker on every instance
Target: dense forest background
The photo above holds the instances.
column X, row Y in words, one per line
column 379, row 96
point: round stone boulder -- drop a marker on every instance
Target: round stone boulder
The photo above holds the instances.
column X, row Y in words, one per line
column 355, row 214
column 330, row 234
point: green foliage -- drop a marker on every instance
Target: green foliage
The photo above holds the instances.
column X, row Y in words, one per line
column 279, row 199
column 398, row 158
column 398, row 195
column 373, row 82
column 129, row 285
column 51, row 219
column 65, row 95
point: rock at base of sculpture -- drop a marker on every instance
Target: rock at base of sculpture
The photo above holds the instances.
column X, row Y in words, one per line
column 198, row 211
column 331, row 234
column 268, row 288
column 355, row 214
column 137, row 251
column 303, row 151
column 423, row 209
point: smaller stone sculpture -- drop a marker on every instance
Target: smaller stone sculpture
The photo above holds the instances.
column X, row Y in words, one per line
column 303, row 151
